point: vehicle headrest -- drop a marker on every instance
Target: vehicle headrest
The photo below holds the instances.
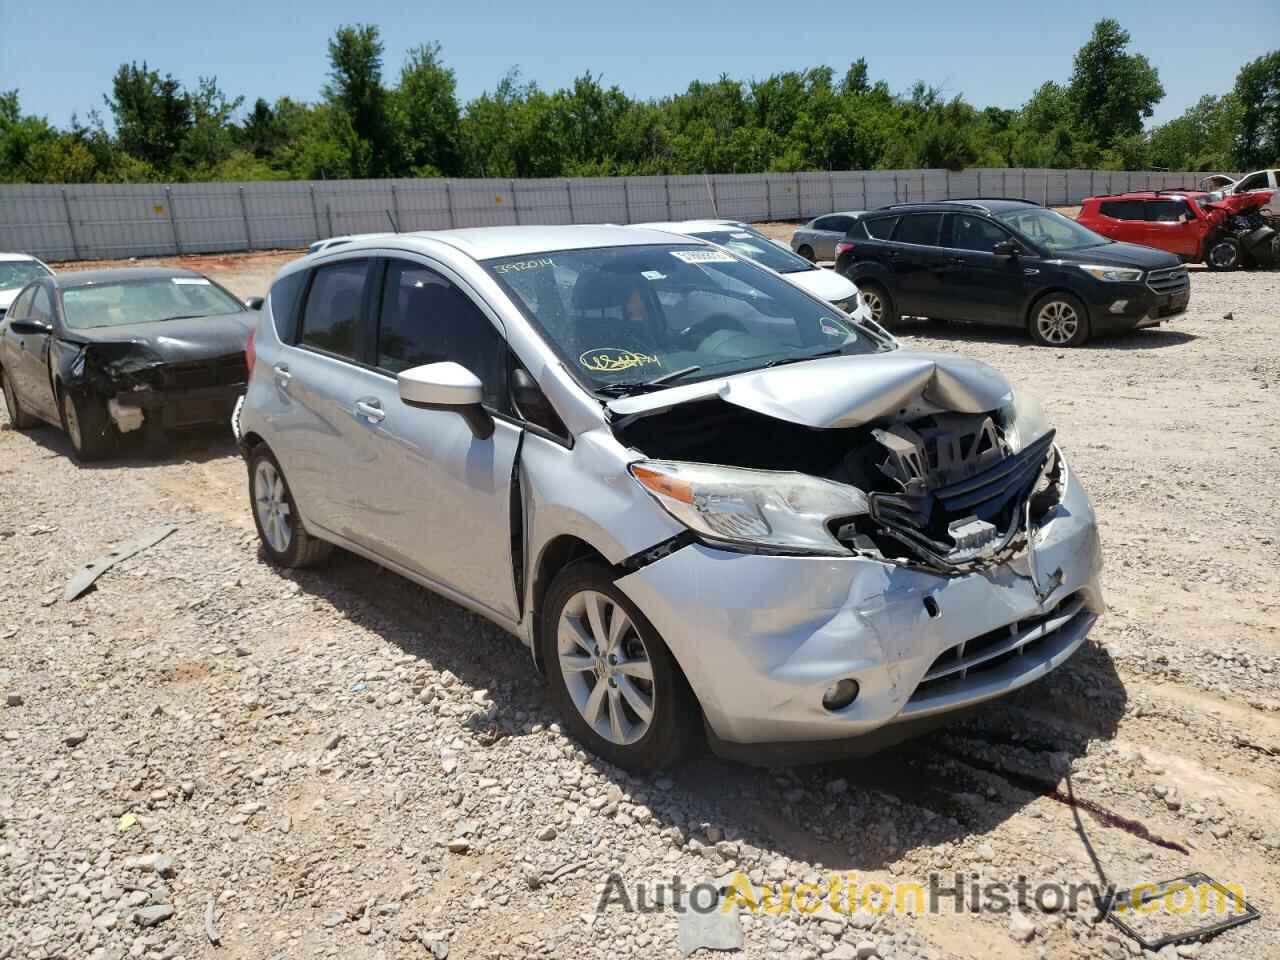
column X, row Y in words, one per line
column 599, row 289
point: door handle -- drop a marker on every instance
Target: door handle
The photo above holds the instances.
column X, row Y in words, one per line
column 282, row 375
column 371, row 410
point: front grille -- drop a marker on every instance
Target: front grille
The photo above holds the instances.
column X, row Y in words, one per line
column 223, row 371
column 1170, row 280
column 969, row 661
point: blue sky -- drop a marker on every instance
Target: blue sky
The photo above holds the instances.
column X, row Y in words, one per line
column 61, row 55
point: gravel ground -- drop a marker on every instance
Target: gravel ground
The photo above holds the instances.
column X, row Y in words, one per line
column 336, row 763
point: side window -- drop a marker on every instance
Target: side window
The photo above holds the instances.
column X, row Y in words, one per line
column 426, row 319
column 822, row 223
column 881, row 229
column 41, row 309
column 919, row 228
column 1166, row 211
column 841, row 224
column 331, row 319
column 282, row 300
column 974, row 233
column 1123, row 209
column 1257, row 181
column 21, row 304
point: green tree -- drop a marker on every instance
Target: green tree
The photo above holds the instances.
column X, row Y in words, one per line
column 1111, row 90
column 359, row 101
column 1258, row 92
column 1202, row 138
column 426, row 115
column 152, row 114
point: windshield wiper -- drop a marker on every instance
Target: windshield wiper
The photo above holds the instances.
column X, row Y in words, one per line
column 779, row 361
column 623, row 388
column 184, row 316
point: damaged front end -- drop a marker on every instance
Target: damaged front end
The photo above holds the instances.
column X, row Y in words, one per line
column 920, row 477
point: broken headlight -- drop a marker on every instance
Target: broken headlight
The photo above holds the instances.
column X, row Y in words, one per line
column 1024, row 420
column 783, row 511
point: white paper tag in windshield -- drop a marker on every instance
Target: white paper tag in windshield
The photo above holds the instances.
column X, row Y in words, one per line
column 191, row 281
column 702, row 256
column 742, row 236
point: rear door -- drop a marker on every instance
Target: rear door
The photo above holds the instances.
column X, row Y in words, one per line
column 915, row 259
column 1170, row 225
column 438, row 498
column 974, row 282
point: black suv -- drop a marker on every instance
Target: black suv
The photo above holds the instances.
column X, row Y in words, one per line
column 1008, row 262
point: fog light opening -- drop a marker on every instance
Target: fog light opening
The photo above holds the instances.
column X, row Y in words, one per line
column 840, row 694
column 1119, row 306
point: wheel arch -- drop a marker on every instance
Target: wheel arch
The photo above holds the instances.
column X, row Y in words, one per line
column 557, row 554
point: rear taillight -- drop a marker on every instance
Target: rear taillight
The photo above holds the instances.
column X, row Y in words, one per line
column 843, row 247
column 249, row 355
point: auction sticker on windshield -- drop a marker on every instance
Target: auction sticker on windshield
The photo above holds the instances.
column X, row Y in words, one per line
column 523, row 265
column 614, row 359
column 702, row 256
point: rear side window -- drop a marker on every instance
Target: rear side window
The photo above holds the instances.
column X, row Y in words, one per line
column 425, row 318
column 1166, row 211
column 919, row 228
column 1123, row 209
column 881, row 229
column 331, row 318
column 282, row 300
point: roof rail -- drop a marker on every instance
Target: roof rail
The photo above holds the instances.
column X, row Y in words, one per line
column 976, row 203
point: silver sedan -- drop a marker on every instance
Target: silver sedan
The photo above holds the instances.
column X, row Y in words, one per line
column 817, row 239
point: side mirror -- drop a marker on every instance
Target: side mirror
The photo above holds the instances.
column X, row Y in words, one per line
column 254, row 303
column 447, row 386
column 1006, row 248
column 28, row 328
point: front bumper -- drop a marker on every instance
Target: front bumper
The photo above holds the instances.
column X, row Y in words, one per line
column 1142, row 307
column 761, row 638
column 176, row 409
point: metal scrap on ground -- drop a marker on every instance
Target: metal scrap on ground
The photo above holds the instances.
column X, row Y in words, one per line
column 717, row 929
column 87, row 575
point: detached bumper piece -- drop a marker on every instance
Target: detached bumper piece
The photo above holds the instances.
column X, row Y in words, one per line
column 1155, row 914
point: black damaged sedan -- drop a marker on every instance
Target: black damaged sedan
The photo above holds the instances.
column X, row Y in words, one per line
column 104, row 353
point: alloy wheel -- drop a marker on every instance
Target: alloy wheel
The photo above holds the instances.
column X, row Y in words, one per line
column 1223, row 255
column 1057, row 322
column 606, row 667
column 874, row 304
column 272, row 506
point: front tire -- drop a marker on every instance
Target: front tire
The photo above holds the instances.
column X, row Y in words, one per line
column 1059, row 320
column 1224, row 254
column 285, row 540
column 84, row 417
column 613, row 679
column 19, row 418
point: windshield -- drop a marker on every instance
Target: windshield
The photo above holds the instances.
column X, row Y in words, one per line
column 1051, row 230
column 18, row 273
column 757, row 247
column 145, row 301
column 622, row 317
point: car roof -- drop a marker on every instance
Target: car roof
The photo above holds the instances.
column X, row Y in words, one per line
column 21, row 257
column 983, row 204
column 487, row 243
column 1152, row 194
column 85, row 278
column 689, row 226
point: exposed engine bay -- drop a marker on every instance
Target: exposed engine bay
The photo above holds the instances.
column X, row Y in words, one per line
column 951, row 492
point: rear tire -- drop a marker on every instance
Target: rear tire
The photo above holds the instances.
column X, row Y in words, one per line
column 18, row 418
column 618, row 671
column 1224, row 254
column 284, row 539
column 878, row 302
column 1059, row 320
column 84, row 418
column 806, row 251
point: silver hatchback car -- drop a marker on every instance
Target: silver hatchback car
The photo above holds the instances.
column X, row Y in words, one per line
column 701, row 496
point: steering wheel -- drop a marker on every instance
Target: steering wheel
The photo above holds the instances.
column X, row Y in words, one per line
column 693, row 335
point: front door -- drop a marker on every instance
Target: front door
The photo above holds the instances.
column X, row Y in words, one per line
column 29, row 353
column 438, row 498
column 1171, row 226
column 988, row 285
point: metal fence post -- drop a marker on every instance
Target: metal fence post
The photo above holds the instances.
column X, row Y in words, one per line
column 799, row 202
column 1046, row 187
column 315, row 211
column 448, row 201
column 666, row 188
column 831, row 188
column 173, row 220
column 515, row 201
column 568, row 189
column 947, row 174
column 71, row 225
column 626, row 196
column 895, row 188
column 395, row 207
column 328, row 215
column 768, row 198
column 244, row 212
column 864, row 191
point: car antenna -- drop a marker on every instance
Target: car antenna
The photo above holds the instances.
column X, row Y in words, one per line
column 395, row 227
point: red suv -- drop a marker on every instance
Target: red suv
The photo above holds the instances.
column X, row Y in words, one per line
column 1224, row 232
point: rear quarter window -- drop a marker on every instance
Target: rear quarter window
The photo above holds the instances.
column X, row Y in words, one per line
column 880, row 228
column 282, row 300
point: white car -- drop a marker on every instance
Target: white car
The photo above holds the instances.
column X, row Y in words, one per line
column 16, row 271
column 1256, row 182
column 748, row 242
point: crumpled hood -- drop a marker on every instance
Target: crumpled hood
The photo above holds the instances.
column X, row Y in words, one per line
column 196, row 338
column 836, row 392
